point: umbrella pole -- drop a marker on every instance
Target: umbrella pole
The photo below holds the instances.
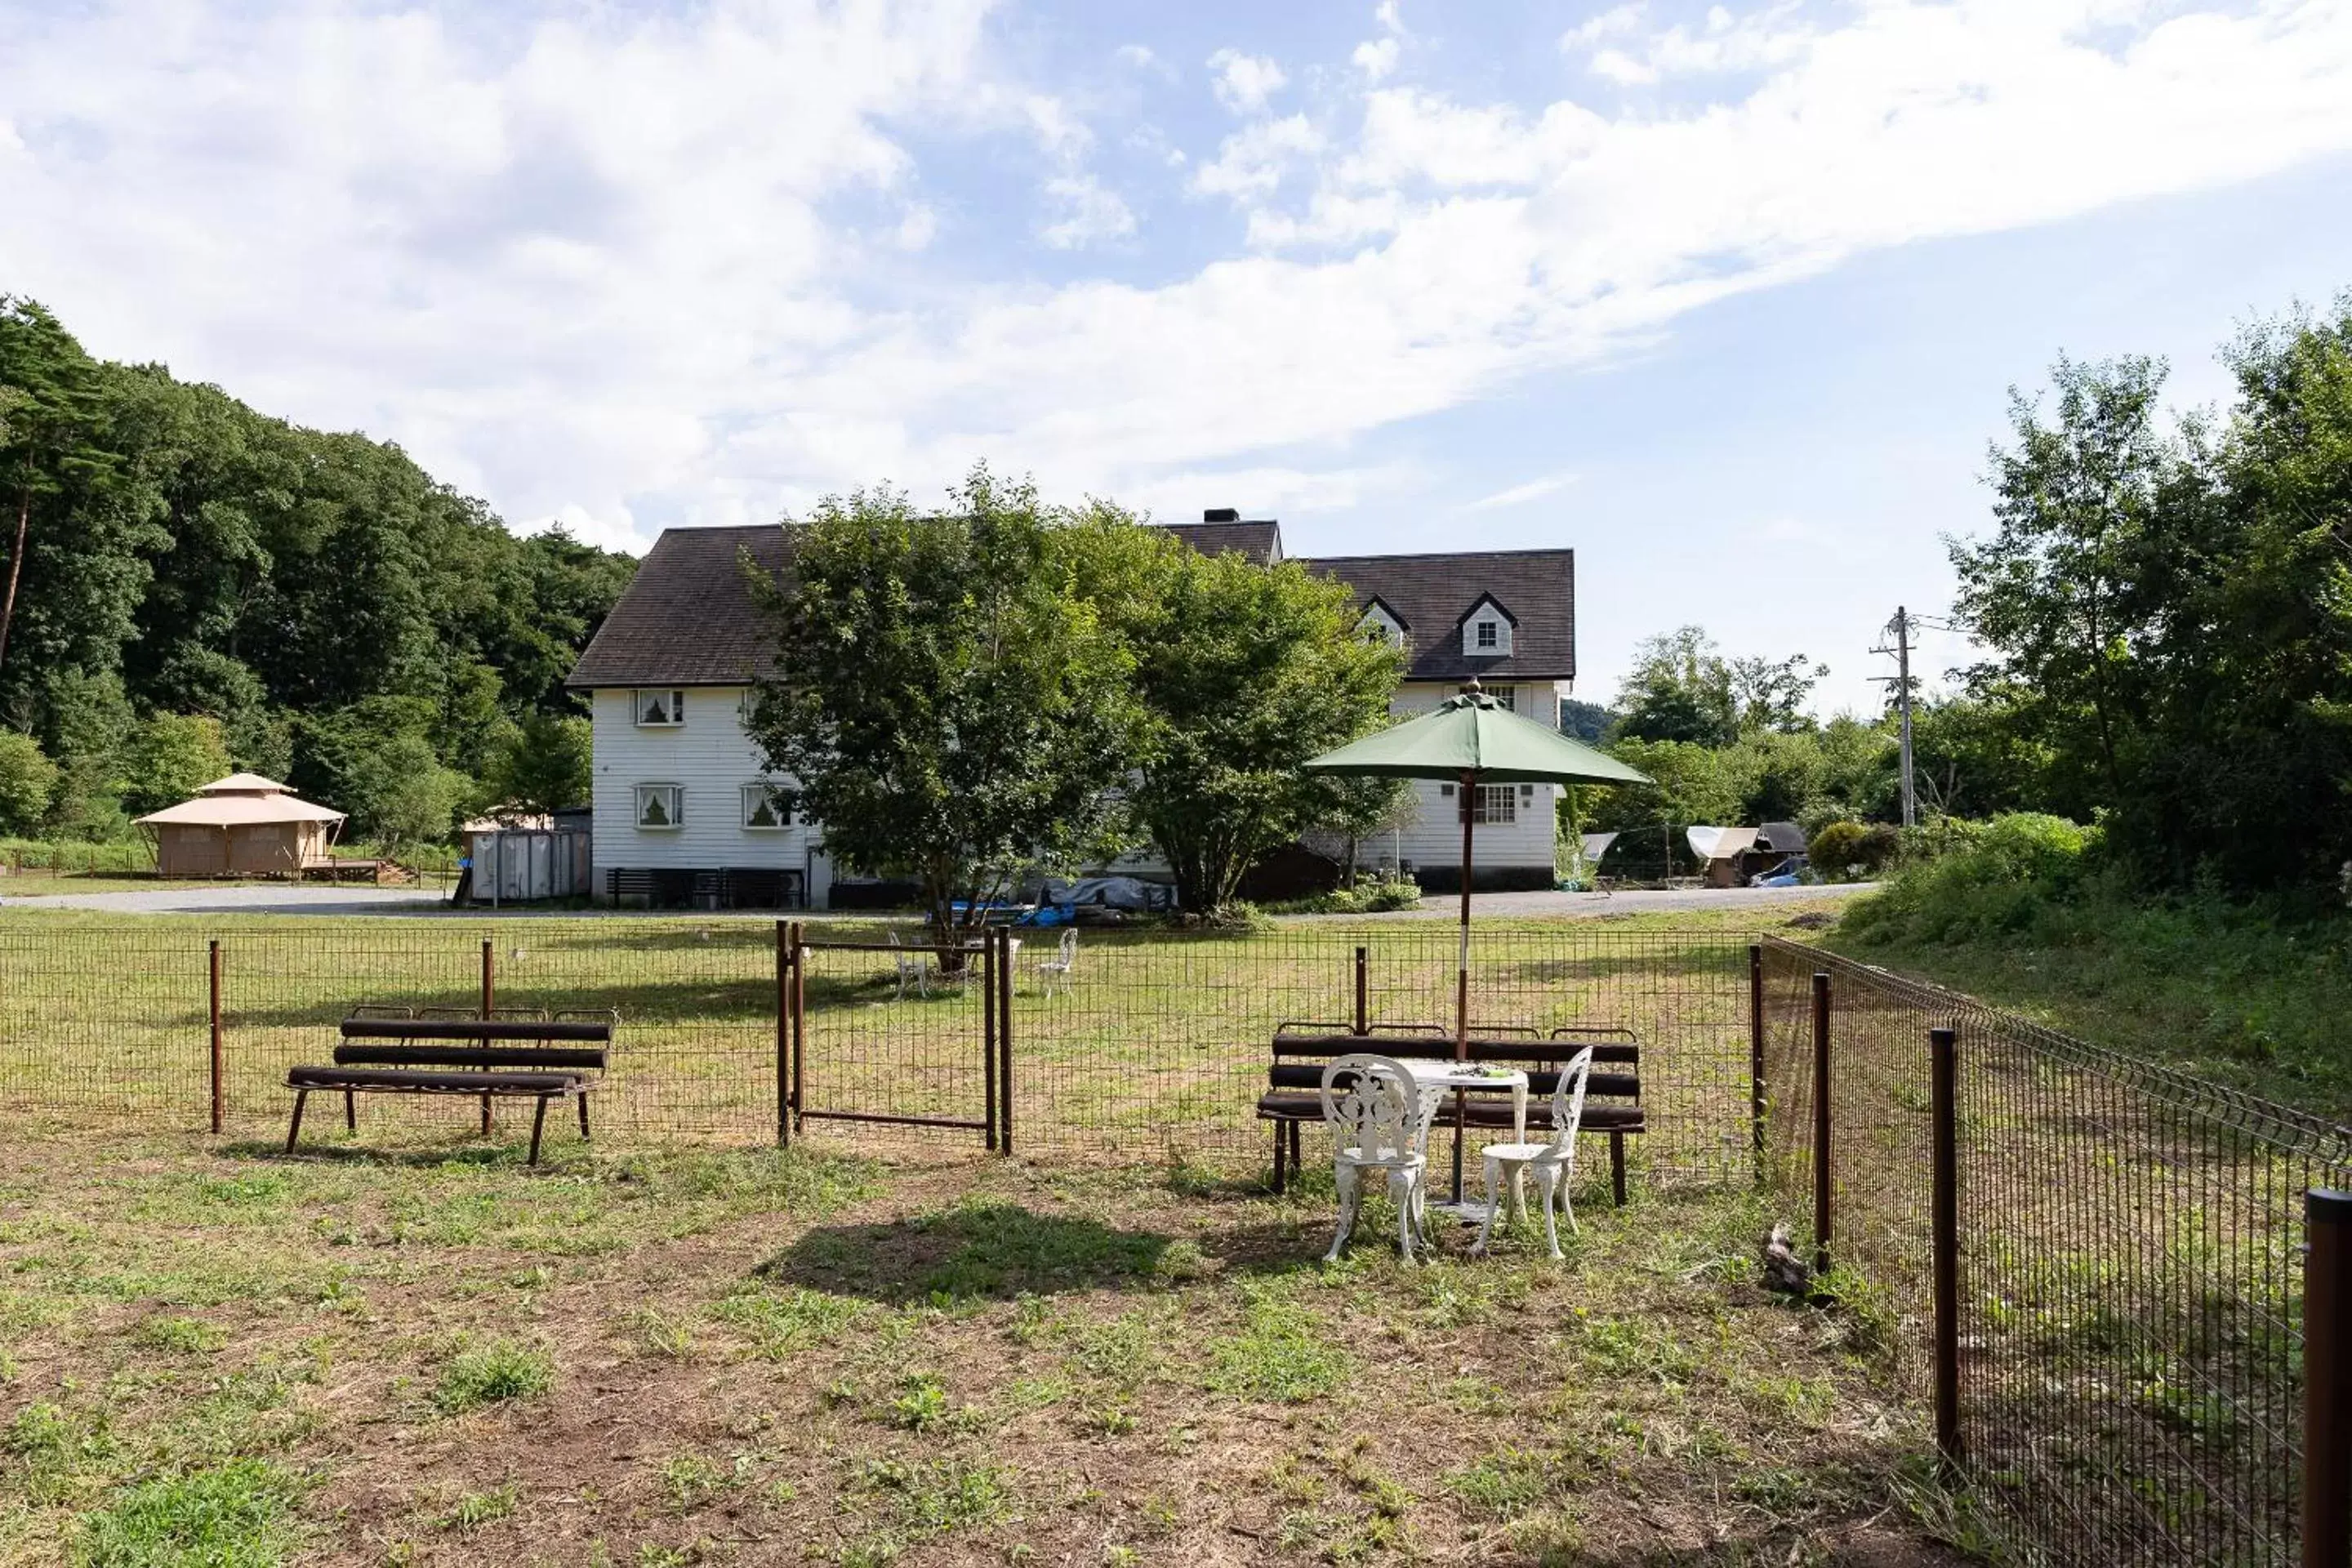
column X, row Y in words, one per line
column 1461, row 972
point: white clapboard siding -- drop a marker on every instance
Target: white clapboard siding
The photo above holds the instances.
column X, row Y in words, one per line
column 1432, row 837
column 711, row 759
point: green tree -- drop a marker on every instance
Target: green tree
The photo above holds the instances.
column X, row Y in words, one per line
column 27, row 781
column 170, row 756
column 1679, row 688
column 542, row 764
column 1772, row 694
column 1244, row 672
column 401, row 796
column 49, row 421
column 952, row 708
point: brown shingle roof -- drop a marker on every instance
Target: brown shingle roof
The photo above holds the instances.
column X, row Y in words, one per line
column 1261, row 541
column 1434, row 594
column 688, row 618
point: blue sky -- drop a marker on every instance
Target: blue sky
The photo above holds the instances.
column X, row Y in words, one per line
column 1727, row 297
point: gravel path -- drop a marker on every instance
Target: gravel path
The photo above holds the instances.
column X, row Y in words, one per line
column 260, row 899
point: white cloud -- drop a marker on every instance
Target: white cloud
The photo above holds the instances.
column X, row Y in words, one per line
column 632, row 271
column 1090, row 215
column 1519, row 495
column 1245, row 82
column 1613, row 23
column 1376, row 57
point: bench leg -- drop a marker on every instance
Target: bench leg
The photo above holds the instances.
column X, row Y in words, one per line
column 294, row 1128
column 1617, row 1167
column 1281, row 1146
column 1294, row 1148
column 538, row 1125
column 350, row 1111
column 584, row 1113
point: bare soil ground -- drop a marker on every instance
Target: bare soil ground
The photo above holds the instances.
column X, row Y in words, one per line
column 432, row 1356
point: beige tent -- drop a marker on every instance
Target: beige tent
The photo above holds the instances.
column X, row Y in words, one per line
column 242, row 825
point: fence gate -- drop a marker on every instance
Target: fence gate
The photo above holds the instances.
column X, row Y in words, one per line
column 903, row 1036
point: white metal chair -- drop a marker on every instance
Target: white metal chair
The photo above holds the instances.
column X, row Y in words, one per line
column 1552, row 1163
column 913, row 968
column 1373, row 1109
column 1059, row 966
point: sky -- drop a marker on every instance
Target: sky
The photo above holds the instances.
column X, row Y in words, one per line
column 1728, row 298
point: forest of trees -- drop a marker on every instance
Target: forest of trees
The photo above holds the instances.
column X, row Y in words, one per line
column 191, row 585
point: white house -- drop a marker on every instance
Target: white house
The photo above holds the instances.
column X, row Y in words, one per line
column 685, row 812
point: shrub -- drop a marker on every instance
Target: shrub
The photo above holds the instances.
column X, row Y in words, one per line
column 1834, row 849
column 28, row 778
column 1967, row 880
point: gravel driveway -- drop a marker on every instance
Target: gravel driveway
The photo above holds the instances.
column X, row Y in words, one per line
column 260, row 899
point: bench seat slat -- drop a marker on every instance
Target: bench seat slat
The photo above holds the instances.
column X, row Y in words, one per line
column 476, row 1029
column 418, row 1082
column 1540, row 1084
column 462, row 1056
column 1415, row 1048
column 1292, row 1105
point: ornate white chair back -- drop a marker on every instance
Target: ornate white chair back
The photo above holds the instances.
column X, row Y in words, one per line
column 1567, row 1104
column 1373, row 1108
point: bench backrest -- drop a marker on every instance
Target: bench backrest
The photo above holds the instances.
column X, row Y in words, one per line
column 575, row 1040
column 1299, row 1058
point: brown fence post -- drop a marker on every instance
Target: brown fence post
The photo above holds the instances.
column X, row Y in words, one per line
column 1004, row 1039
column 1943, row 1105
column 786, row 957
column 1756, row 1052
column 1820, row 1121
column 220, row 1099
column 490, row 1000
column 2326, row 1378
column 1363, row 999
column 988, row 1034
column 799, row 936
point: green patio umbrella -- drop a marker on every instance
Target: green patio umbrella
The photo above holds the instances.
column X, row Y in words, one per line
column 1471, row 740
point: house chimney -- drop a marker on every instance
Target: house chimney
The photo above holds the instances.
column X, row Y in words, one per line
column 1221, row 514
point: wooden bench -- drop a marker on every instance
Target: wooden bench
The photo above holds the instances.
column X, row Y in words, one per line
column 1613, row 1094
column 391, row 1050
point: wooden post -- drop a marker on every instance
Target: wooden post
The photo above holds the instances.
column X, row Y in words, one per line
column 988, row 1034
column 2326, row 1378
column 220, row 1099
column 1820, row 1121
column 1004, row 1038
column 1943, row 1095
column 1756, row 1052
column 800, row 1019
column 490, row 1000
column 786, row 957
column 1363, row 1011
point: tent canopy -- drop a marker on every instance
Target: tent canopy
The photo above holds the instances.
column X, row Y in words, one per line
column 239, row 811
column 244, row 783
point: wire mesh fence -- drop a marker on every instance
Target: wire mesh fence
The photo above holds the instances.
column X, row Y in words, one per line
column 2130, row 1345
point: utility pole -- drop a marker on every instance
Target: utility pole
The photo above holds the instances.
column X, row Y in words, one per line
column 1900, row 627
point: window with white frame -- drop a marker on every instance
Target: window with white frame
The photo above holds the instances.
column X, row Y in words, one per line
column 768, row 807
column 1490, row 633
column 663, row 708
column 661, row 805
column 1495, row 804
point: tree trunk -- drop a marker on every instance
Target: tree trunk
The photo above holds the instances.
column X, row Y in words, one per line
column 16, row 567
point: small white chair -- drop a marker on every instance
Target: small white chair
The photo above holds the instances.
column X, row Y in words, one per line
column 1058, row 967
column 1373, row 1109
column 913, row 970
column 1553, row 1163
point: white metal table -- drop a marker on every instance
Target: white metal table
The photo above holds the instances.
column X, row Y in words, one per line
column 1435, row 1081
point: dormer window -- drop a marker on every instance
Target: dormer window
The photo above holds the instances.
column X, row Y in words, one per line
column 1487, row 630
column 1380, row 624
column 661, row 708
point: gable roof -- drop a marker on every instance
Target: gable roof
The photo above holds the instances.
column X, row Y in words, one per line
column 1260, row 539
column 1433, row 591
column 1367, row 605
column 688, row 618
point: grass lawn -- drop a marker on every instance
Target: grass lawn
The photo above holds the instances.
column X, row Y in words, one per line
column 215, row 1355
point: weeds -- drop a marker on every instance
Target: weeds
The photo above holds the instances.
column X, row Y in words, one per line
column 492, row 1375
column 240, row 1515
column 473, row 1510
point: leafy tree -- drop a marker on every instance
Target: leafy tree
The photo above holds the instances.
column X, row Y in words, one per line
column 542, row 764
column 1689, row 783
column 953, row 708
column 1679, row 688
column 1244, row 672
column 401, row 796
column 49, row 421
column 1772, row 694
column 26, row 779
column 170, row 756
column 2058, row 589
